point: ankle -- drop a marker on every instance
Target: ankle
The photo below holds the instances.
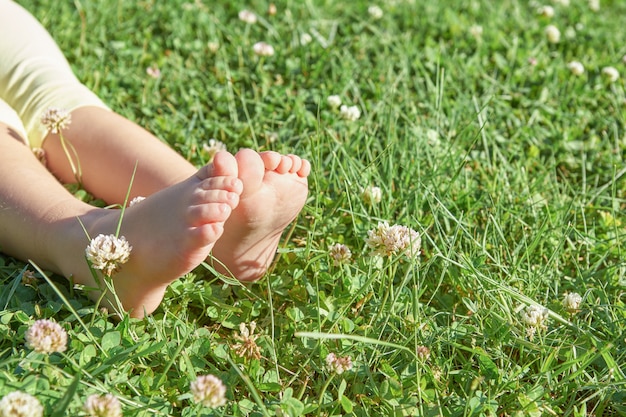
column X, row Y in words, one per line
column 66, row 255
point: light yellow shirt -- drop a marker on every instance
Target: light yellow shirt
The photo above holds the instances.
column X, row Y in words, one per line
column 34, row 75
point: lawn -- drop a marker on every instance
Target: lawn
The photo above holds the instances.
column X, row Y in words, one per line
column 493, row 129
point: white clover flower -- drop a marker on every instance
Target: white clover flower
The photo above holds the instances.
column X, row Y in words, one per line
column 571, row 301
column 338, row 364
column 610, row 73
column 553, row 34
column 271, row 137
column 214, row 146
column 247, row 16
column 263, row 49
column 376, row 239
column 46, row 336
column 372, row 195
column 305, row 39
column 385, row 240
column 576, row 68
column 246, row 346
column 56, row 119
column 350, row 113
column 476, row 31
column 271, row 9
column 103, row 406
column 535, row 316
column 339, row 253
column 136, row 200
column 546, row 11
column 594, row 5
column 108, row 253
column 375, row 12
column 213, row 46
column 20, row 404
column 433, row 136
column 153, row 71
column 334, row 101
column 208, row 390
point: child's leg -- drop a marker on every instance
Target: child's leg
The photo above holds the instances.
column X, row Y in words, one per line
column 34, row 75
column 109, row 146
column 171, row 232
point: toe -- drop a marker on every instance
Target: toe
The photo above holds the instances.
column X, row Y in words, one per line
column 224, row 165
column 216, row 197
column 285, row 165
column 305, row 169
column 232, row 184
column 271, row 160
column 207, row 234
column 208, row 213
column 251, row 168
column 296, row 163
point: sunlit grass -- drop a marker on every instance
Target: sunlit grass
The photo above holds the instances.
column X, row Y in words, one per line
column 509, row 166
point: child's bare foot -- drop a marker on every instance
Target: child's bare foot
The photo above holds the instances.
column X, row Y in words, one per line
column 274, row 191
column 171, row 232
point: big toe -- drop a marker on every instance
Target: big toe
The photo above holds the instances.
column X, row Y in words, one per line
column 224, row 165
column 251, row 170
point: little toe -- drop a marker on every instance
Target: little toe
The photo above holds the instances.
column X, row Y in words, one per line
column 207, row 234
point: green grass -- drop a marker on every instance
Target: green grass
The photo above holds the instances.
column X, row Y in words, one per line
column 510, row 167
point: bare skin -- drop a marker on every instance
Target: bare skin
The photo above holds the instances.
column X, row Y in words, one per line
column 275, row 189
column 275, row 185
column 171, row 232
column 235, row 208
